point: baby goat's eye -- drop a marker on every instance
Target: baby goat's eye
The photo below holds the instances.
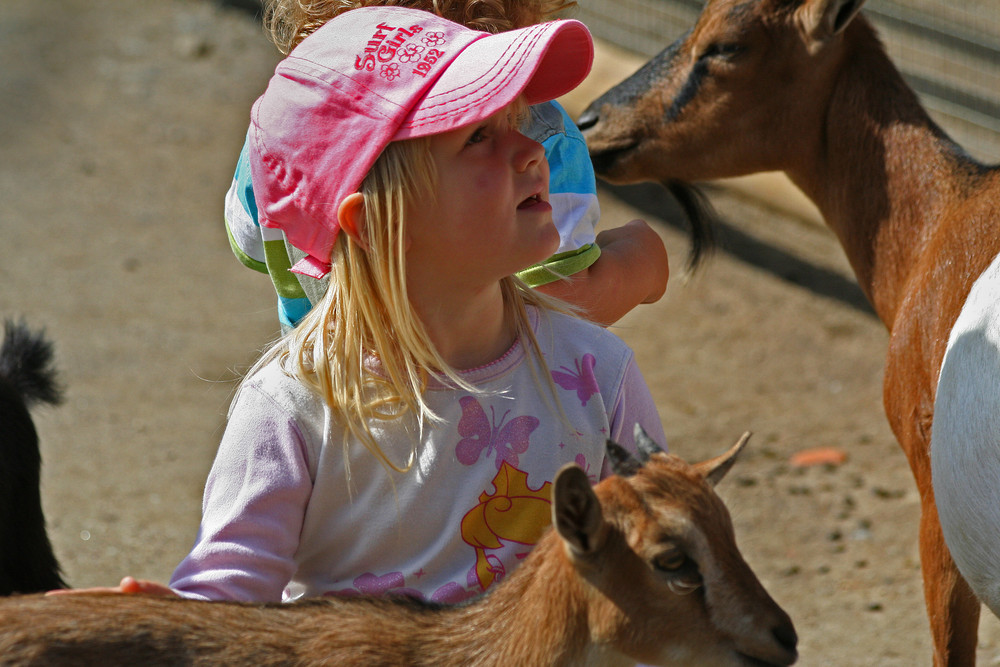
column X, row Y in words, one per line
column 680, row 572
column 670, row 560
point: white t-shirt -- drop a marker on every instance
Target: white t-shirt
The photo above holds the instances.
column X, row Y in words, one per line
column 281, row 521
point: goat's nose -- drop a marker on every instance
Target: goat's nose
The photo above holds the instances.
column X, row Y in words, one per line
column 588, row 118
column 785, row 635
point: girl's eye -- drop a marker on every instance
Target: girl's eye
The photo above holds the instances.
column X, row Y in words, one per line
column 478, row 136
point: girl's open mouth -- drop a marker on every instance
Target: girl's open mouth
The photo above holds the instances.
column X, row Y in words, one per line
column 530, row 201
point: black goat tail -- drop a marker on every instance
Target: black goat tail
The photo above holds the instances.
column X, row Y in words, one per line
column 27, row 378
column 26, row 362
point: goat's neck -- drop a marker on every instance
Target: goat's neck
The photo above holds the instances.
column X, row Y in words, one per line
column 881, row 171
column 538, row 616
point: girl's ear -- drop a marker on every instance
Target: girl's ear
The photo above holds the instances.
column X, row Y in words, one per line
column 351, row 217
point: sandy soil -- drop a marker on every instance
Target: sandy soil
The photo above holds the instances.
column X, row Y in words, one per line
column 119, row 126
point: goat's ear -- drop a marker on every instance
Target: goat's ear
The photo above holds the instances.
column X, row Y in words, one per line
column 821, row 20
column 713, row 470
column 576, row 512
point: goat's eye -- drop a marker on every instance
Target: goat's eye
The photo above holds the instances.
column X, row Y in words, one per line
column 670, row 561
column 722, row 50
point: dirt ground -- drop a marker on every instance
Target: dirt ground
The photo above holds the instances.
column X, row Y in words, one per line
column 120, row 123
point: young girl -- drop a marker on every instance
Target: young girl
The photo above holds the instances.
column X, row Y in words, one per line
column 609, row 273
column 403, row 438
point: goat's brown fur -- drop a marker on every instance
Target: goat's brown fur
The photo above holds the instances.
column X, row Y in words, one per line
column 595, row 590
column 805, row 87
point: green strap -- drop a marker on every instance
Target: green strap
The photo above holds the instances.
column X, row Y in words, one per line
column 245, row 259
column 278, row 265
column 561, row 265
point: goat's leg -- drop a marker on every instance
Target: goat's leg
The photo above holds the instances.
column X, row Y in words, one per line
column 952, row 609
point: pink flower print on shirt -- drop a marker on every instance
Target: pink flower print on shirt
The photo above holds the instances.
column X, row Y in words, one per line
column 452, row 593
column 582, row 380
column 392, row 583
column 481, row 433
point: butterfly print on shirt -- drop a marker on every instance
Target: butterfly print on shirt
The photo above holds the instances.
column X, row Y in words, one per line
column 481, row 434
column 582, row 380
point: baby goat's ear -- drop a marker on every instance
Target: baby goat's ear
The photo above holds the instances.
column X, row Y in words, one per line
column 576, row 512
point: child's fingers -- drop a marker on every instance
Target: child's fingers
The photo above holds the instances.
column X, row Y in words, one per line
column 85, row 591
column 133, row 585
column 127, row 585
column 130, row 585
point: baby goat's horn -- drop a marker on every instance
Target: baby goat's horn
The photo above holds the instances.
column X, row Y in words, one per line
column 622, row 462
column 644, row 443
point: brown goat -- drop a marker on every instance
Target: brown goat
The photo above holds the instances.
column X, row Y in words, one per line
column 805, row 87
column 644, row 566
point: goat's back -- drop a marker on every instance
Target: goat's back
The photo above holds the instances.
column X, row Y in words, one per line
column 114, row 629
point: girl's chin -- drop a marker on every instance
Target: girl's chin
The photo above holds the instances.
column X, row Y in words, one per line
column 548, row 243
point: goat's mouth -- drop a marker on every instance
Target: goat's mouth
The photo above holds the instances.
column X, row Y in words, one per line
column 608, row 160
column 751, row 661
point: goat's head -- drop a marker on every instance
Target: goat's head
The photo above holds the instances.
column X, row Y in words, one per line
column 738, row 93
column 667, row 583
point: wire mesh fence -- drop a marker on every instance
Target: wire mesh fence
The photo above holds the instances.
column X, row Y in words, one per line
column 948, row 52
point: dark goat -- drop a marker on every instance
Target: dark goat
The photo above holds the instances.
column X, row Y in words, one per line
column 27, row 378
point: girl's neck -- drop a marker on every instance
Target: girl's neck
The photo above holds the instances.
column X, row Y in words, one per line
column 468, row 328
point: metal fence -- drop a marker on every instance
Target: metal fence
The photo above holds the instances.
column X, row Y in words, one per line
column 949, row 54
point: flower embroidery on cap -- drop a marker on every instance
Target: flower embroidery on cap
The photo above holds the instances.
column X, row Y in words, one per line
column 390, row 44
column 390, row 72
column 384, row 44
column 411, row 53
column 434, row 39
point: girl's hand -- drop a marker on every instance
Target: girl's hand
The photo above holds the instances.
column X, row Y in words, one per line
column 127, row 585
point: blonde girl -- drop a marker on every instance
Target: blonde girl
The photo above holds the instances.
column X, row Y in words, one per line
column 605, row 275
column 403, row 438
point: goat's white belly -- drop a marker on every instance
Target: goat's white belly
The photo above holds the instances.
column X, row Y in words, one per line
column 965, row 440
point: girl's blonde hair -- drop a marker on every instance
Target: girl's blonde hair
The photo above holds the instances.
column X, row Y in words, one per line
column 289, row 21
column 363, row 348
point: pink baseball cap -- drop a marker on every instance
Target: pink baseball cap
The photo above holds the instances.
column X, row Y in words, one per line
column 374, row 75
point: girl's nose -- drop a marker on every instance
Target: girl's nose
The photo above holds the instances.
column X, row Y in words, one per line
column 528, row 152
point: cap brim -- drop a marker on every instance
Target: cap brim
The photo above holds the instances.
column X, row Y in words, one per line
column 542, row 62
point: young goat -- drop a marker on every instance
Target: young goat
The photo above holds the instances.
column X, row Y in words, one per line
column 644, row 566
column 805, row 87
column 27, row 564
